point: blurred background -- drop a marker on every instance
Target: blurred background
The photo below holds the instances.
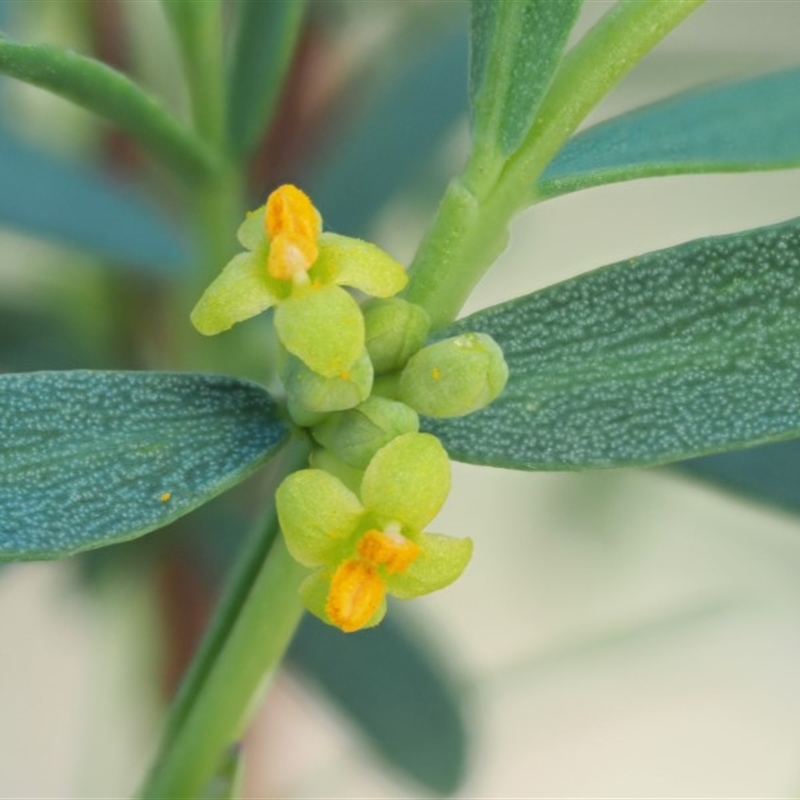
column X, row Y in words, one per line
column 617, row 634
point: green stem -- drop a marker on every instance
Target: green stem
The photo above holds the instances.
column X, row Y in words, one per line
column 110, row 94
column 198, row 27
column 246, row 639
column 470, row 229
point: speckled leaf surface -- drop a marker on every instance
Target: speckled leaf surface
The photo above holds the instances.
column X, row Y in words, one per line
column 678, row 353
column 88, row 459
column 748, row 125
column 515, row 48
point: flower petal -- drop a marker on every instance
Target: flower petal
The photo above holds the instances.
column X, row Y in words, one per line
column 323, row 326
column 318, row 515
column 239, row 292
column 408, row 480
column 252, row 234
column 315, row 591
column 362, row 265
column 441, row 560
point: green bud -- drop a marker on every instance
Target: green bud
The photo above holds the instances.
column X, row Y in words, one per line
column 357, row 434
column 394, row 330
column 454, row 377
column 309, row 393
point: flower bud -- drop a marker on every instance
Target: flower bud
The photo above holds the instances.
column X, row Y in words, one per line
column 395, row 330
column 309, row 393
column 357, row 434
column 454, row 377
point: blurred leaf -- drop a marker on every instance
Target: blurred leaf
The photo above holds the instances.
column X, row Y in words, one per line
column 516, row 46
column 682, row 352
column 33, row 339
column 266, row 36
column 198, row 28
column 749, row 125
column 395, row 138
column 45, row 196
column 110, row 94
column 395, row 694
column 94, row 458
column 768, row 474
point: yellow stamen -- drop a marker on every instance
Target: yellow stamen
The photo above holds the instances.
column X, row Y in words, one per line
column 388, row 548
column 293, row 226
column 355, row 595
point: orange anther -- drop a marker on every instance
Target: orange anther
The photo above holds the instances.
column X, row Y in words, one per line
column 355, row 595
column 391, row 550
column 293, row 226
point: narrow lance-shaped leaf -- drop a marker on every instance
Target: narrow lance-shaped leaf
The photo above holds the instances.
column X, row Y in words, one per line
column 198, row 28
column 110, row 94
column 396, row 694
column 748, row 125
column 266, row 36
column 516, row 45
column 45, row 196
column 88, row 459
column 679, row 353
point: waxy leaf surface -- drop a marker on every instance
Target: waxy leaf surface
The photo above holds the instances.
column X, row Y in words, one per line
column 679, row 353
column 515, row 48
column 88, row 459
column 744, row 126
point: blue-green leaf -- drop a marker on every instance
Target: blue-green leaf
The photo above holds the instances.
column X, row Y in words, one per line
column 767, row 474
column 748, row 125
column 515, row 46
column 678, row 353
column 88, row 459
column 394, row 692
column 266, row 35
column 45, row 196
column 395, row 138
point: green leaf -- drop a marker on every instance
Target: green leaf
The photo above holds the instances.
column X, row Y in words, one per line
column 110, row 94
column 198, row 28
column 678, row 353
column 266, row 36
column 45, row 196
column 748, row 125
column 88, row 459
column 396, row 694
column 766, row 474
column 516, row 46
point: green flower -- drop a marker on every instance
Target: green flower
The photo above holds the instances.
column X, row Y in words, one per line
column 290, row 264
column 367, row 545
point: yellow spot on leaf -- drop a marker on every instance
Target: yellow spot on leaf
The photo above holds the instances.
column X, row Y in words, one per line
column 436, row 373
column 166, row 497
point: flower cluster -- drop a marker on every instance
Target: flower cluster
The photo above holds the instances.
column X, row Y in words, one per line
column 357, row 376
